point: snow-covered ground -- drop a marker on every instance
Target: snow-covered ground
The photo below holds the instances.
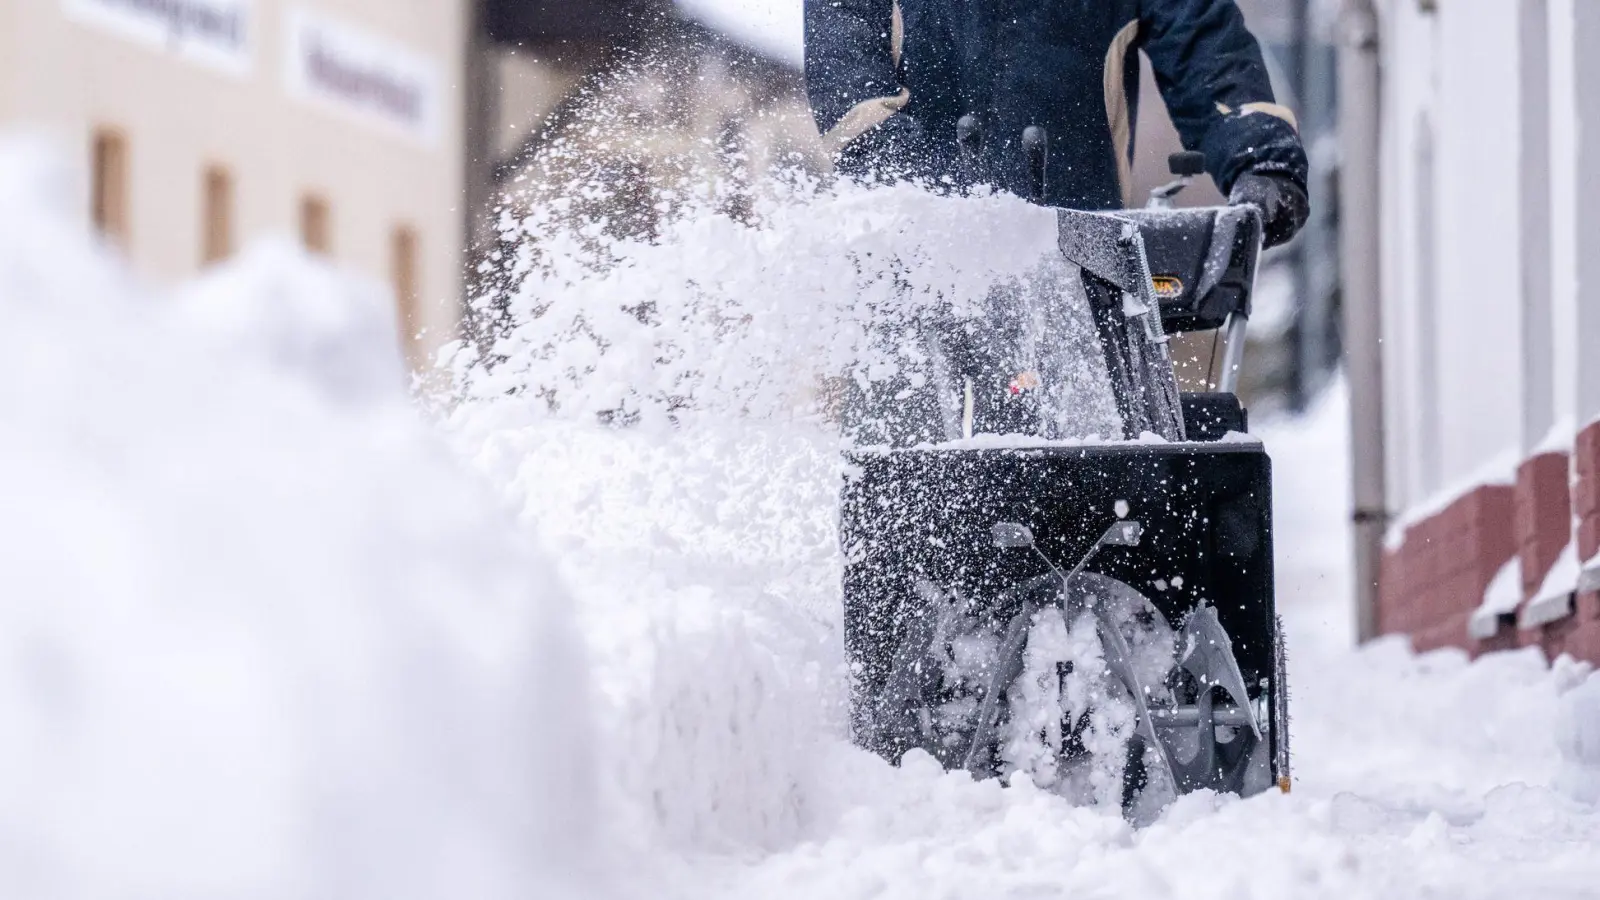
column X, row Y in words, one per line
column 267, row 632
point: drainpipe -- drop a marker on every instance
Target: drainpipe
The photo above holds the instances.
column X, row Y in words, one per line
column 480, row 94
column 1359, row 96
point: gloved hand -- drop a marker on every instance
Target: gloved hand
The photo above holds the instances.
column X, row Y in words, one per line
column 1282, row 201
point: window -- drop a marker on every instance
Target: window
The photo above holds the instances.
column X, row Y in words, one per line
column 109, row 187
column 216, row 243
column 405, row 261
column 316, row 227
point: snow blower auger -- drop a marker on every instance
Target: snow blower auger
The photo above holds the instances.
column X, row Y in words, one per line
column 1154, row 665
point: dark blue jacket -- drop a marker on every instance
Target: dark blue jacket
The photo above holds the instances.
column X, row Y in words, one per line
column 888, row 81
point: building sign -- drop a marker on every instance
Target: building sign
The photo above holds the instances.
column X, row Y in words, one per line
column 213, row 33
column 363, row 75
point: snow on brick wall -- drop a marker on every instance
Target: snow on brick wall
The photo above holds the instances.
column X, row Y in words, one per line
column 1482, row 363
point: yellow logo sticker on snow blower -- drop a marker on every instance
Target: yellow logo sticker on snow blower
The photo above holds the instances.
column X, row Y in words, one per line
column 1168, row 287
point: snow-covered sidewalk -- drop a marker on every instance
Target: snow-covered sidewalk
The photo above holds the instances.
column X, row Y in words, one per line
column 1427, row 776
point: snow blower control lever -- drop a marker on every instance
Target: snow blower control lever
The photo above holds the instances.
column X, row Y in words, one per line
column 1035, row 153
column 1187, row 165
column 1012, row 536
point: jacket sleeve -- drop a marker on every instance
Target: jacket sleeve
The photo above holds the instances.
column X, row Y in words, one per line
column 850, row 67
column 1214, row 80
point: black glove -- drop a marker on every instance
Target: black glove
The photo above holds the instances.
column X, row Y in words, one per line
column 1282, row 201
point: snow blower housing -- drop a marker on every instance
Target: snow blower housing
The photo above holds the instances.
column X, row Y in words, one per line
column 1098, row 615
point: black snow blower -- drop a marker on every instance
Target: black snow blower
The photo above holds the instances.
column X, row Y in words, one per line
column 1095, row 614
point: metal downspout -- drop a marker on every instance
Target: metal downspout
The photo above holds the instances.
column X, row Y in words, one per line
column 1359, row 97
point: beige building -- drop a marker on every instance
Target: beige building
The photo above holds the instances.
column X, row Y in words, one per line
column 204, row 124
column 641, row 91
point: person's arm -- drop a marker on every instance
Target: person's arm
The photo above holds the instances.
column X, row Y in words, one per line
column 851, row 78
column 1214, row 80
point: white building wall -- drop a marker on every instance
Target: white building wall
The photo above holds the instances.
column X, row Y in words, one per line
column 1478, row 338
column 1405, row 113
column 1585, row 31
column 1453, row 314
column 72, row 66
column 1534, row 220
column 1564, row 212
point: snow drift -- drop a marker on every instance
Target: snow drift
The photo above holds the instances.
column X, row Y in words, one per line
column 260, row 634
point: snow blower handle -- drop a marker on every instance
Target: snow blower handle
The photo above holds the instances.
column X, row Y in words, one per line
column 1016, row 536
column 1186, row 166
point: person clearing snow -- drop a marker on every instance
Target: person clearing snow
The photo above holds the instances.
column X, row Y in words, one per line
column 944, row 90
column 1036, row 99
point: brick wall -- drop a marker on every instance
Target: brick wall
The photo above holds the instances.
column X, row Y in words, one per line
column 1581, row 637
column 1432, row 582
column 1586, row 490
column 1543, row 515
column 1430, row 585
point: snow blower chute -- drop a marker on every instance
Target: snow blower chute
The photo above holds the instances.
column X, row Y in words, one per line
column 1096, row 614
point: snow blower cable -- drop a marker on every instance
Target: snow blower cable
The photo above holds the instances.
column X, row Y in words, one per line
column 1211, row 365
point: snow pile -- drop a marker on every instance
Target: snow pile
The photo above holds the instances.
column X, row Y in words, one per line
column 260, row 634
column 335, row 328
column 1580, row 739
column 705, row 567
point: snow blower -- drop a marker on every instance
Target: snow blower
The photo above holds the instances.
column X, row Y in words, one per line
column 1097, row 615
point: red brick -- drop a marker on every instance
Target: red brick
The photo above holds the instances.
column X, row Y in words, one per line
column 1543, row 518
column 1430, row 585
column 1504, row 639
column 1392, row 588
column 1449, row 632
column 1577, row 636
column 1586, row 490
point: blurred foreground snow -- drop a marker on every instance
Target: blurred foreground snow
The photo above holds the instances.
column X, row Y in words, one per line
column 262, row 635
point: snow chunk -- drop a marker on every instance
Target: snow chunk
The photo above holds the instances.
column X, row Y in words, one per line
column 1589, row 579
column 1501, row 598
column 1554, row 599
